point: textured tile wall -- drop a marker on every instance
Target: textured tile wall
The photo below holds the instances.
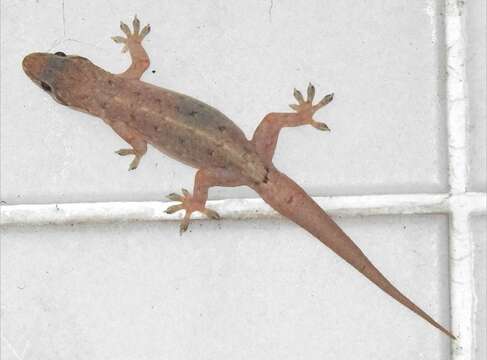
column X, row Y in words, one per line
column 236, row 289
column 227, row 289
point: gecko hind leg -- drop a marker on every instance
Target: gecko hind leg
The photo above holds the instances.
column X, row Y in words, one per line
column 204, row 179
column 266, row 135
column 133, row 43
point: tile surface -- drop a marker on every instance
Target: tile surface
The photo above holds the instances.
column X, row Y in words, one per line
column 479, row 231
column 383, row 60
column 476, row 20
column 225, row 290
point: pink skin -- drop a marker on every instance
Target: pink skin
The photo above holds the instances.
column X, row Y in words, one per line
column 199, row 135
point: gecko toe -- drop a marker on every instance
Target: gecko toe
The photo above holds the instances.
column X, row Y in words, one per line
column 145, row 31
column 125, row 28
column 136, row 25
column 119, row 39
column 183, row 227
column 174, row 208
column 124, row 152
column 298, row 96
column 320, row 126
column 211, row 214
column 311, row 93
column 175, row 197
column 323, row 102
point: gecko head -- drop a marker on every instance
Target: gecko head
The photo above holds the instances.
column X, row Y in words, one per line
column 56, row 74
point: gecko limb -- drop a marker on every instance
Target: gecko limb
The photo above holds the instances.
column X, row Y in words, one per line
column 133, row 43
column 266, row 135
column 204, row 179
column 134, row 138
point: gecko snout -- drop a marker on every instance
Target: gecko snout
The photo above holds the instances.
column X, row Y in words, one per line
column 34, row 64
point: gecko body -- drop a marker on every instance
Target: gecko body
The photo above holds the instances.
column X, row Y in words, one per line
column 199, row 135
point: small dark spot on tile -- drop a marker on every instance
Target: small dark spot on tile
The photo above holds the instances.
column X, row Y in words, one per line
column 222, row 128
column 193, row 113
column 110, row 82
column 210, row 152
column 153, row 71
column 181, row 140
column 290, row 200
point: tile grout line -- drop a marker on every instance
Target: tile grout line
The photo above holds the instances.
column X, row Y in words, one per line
column 457, row 101
column 460, row 241
column 363, row 205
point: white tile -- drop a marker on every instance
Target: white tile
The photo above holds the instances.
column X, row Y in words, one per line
column 383, row 60
column 229, row 289
column 479, row 231
column 477, row 92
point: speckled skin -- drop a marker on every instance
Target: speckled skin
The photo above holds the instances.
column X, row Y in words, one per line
column 199, row 135
column 178, row 125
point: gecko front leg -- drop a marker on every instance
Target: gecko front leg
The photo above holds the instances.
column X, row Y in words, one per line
column 134, row 138
column 204, row 179
column 133, row 43
column 266, row 135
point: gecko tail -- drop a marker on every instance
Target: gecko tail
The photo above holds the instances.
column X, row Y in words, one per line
column 291, row 201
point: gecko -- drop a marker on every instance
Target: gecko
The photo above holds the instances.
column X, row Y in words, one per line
column 200, row 136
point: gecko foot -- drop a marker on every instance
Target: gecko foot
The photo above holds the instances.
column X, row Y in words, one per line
column 135, row 162
column 132, row 37
column 189, row 204
column 307, row 108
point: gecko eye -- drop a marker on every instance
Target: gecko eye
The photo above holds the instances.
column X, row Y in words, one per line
column 60, row 53
column 45, row 86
